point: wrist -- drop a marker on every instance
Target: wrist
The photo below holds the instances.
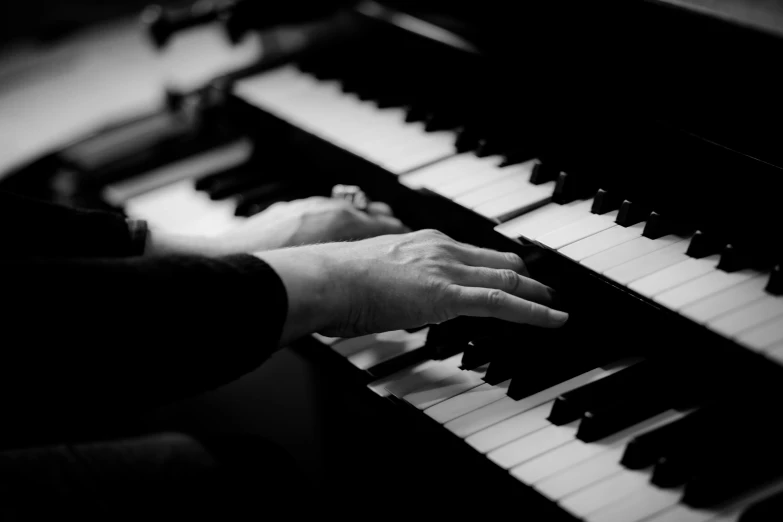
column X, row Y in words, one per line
column 307, row 277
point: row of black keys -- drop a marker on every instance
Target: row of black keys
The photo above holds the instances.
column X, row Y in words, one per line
column 728, row 445
column 673, row 174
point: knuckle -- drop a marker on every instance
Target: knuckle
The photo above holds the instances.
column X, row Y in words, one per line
column 509, row 279
column 514, row 259
column 495, row 298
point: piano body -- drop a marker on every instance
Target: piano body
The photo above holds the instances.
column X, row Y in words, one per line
column 629, row 151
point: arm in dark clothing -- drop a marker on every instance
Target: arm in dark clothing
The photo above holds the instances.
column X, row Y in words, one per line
column 35, row 228
column 88, row 339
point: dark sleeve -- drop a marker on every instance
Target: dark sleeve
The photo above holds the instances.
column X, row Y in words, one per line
column 90, row 339
column 35, row 228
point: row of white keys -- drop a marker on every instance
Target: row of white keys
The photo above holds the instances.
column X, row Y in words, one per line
column 597, row 461
column 675, row 275
column 652, row 504
column 180, row 208
column 436, row 392
column 604, row 240
column 589, row 225
column 560, row 459
column 450, row 170
column 546, row 219
column 649, row 263
column 529, row 420
column 763, row 337
column 724, row 301
column 386, row 347
column 766, row 308
column 379, row 135
column 505, row 408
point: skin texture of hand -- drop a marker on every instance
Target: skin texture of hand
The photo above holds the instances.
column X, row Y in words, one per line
column 404, row 281
column 286, row 224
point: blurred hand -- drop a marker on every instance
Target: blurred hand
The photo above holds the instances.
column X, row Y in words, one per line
column 405, row 281
column 285, row 224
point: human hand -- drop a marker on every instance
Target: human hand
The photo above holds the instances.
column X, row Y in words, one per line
column 405, row 281
column 284, row 224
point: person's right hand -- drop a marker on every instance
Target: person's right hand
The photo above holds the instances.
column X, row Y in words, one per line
column 405, row 281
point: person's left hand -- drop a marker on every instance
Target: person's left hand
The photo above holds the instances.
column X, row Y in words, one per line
column 300, row 222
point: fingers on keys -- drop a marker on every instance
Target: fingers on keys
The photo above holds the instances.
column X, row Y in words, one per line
column 492, row 302
column 508, row 281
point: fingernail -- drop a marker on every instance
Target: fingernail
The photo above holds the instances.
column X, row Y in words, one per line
column 558, row 318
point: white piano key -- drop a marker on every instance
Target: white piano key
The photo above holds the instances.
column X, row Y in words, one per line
column 533, row 445
column 546, row 219
column 498, row 188
column 321, row 108
column 442, row 172
column 637, row 506
column 605, row 492
column 173, row 207
column 466, row 184
column 577, row 451
column 726, row 300
column 506, row 407
column 510, row 429
column 591, row 224
column 700, row 287
column 581, row 475
column 386, row 348
column 681, row 513
column 466, row 402
column 648, row 263
column 326, row 340
column 601, row 241
column 688, row 269
column 524, row 199
column 380, row 386
column 625, row 252
column 347, row 347
column 775, row 352
column 748, row 316
column 424, row 376
column 214, row 160
column 432, row 394
column 764, row 336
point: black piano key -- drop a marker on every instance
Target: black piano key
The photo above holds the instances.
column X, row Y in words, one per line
column 272, row 191
column 768, row 510
column 504, row 362
column 752, row 462
column 732, row 259
column 604, row 202
column 477, row 353
column 485, row 148
column 553, row 369
column 631, row 213
column 204, row 182
column 570, row 187
column 644, row 450
column 657, row 226
column 226, row 187
column 415, row 112
column 703, row 245
column 467, row 139
column 626, row 411
column 543, row 173
column 775, row 283
column 572, row 405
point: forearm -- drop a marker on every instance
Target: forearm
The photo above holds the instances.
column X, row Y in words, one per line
column 83, row 335
column 33, row 228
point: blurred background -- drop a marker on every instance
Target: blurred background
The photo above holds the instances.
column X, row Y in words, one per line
column 69, row 66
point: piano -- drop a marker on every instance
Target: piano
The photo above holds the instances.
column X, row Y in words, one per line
column 629, row 152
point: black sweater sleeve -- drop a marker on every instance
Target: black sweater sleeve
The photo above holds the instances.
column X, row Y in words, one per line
column 86, row 339
column 34, row 228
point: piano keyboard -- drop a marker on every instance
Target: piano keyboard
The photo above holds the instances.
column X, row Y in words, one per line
column 622, row 472
column 743, row 304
